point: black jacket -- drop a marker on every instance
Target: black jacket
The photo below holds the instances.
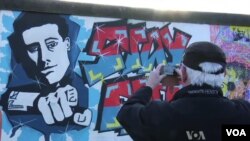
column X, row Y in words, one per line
column 195, row 113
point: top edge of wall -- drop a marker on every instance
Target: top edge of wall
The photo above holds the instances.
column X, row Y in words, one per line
column 59, row 7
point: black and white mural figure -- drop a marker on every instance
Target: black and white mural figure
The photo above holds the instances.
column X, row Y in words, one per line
column 44, row 92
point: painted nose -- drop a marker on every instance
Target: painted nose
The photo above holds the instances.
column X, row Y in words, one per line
column 45, row 55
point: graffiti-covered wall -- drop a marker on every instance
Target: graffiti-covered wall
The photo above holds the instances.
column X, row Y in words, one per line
column 64, row 77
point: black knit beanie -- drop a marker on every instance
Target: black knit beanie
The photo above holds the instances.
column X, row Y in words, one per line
column 200, row 52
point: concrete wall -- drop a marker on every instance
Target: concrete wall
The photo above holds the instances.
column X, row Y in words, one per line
column 71, row 87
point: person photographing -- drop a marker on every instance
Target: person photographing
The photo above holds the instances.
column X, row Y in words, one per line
column 196, row 112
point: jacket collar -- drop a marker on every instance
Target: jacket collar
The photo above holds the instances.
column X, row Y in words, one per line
column 198, row 91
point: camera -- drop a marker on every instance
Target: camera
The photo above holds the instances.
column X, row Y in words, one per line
column 169, row 70
column 172, row 78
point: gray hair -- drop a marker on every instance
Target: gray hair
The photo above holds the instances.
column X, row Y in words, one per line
column 205, row 76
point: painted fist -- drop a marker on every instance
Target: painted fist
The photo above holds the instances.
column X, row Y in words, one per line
column 57, row 105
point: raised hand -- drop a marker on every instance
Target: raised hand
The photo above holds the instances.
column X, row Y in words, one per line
column 155, row 77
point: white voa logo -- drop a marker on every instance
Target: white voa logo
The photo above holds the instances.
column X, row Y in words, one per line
column 236, row 132
column 195, row 135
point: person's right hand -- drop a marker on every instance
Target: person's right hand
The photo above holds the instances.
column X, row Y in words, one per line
column 155, row 77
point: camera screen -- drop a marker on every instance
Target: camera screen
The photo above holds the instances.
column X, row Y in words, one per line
column 169, row 70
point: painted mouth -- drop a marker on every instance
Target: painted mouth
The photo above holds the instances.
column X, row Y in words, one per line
column 47, row 70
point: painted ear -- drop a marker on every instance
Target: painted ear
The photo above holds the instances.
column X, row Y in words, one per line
column 67, row 41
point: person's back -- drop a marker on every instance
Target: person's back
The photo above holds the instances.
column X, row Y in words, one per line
column 197, row 112
column 202, row 115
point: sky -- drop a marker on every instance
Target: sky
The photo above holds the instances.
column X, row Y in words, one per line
column 217, row 6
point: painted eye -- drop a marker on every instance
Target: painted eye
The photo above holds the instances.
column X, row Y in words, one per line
column 33, row 48
column 51, row 45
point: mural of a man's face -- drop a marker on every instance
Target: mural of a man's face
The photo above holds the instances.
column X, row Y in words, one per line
column 48, row 50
